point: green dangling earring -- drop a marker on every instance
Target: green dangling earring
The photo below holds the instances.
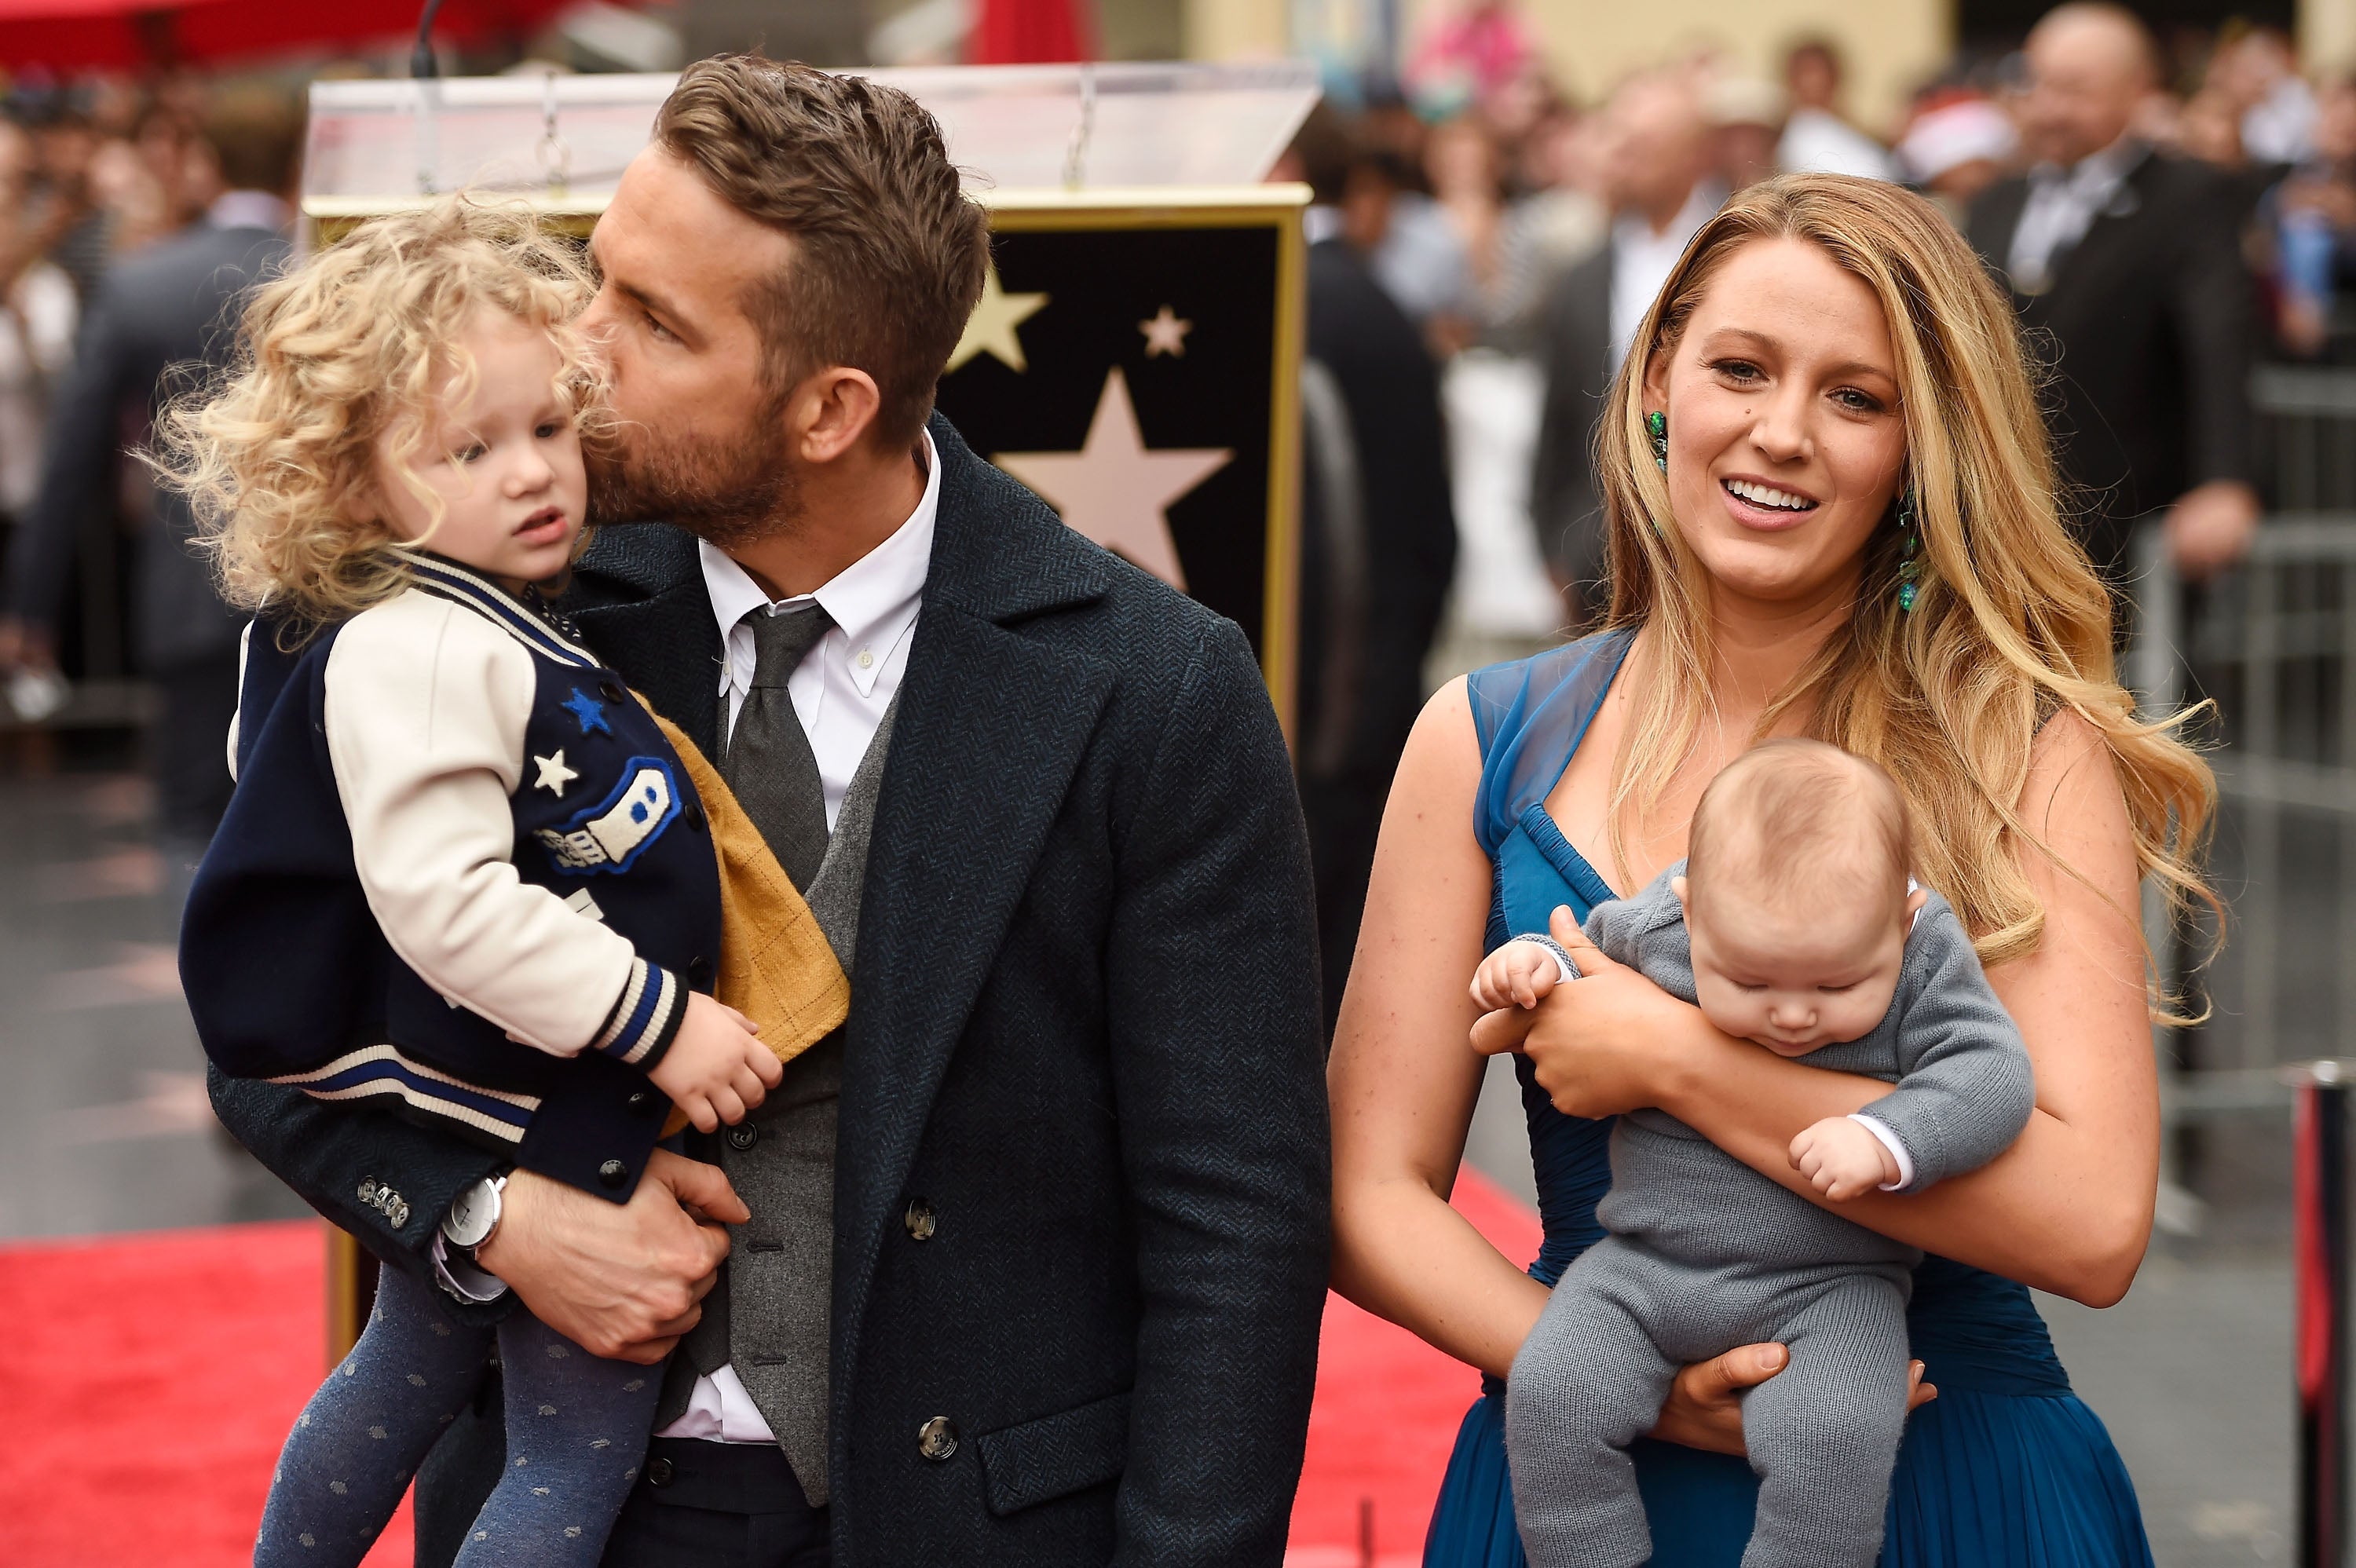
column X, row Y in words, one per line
column 1657, row 425
column 1908, row 569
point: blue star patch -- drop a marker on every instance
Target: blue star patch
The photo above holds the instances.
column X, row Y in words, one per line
column 589, row 710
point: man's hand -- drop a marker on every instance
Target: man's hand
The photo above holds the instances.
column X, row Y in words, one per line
column 1518, row 975
column 621, row 1281
column 1843, row 1160
column 1703, row 1409
column 716, row 1069
column 2209, row 528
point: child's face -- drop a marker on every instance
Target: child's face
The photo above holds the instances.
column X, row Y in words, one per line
column 1794, row 978
column 506, row 464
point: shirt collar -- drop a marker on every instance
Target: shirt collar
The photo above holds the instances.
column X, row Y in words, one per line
column 2096, row 174
column 248, row 210
column 872, row 600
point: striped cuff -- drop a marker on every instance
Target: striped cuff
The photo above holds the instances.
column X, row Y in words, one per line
column 643, row 1023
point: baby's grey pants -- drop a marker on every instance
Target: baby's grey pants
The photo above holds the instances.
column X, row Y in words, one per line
column 1822, row 1434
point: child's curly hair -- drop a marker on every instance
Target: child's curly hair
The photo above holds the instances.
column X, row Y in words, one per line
column 278, row 459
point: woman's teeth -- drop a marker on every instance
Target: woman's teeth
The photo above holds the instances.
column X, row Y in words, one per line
column 1766, row 496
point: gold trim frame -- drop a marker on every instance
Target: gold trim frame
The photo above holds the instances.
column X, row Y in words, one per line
column 1277, row 206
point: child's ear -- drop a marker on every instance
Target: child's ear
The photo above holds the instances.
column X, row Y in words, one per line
column 1677, row 886
column 1915, row 899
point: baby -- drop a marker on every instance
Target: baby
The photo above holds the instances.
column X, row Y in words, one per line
column 1793, row 923
column 465, row 877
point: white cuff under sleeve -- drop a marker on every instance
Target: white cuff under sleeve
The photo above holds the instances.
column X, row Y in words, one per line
column 466, row 1280
column 1897, row 1148
column 1565, row 970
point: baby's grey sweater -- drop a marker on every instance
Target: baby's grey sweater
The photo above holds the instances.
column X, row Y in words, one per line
column 1962, row 1087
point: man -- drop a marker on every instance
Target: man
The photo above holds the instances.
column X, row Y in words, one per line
column 155, row 314
column 2124, row 261
column 1661, row 193
column 1817, row 138
column 1031, row 1254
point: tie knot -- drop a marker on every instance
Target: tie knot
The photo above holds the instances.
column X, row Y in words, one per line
column 781, row 641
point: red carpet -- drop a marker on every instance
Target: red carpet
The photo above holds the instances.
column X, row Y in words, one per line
column 147, row 1382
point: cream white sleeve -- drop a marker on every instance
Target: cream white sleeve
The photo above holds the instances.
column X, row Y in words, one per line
column 426, row 707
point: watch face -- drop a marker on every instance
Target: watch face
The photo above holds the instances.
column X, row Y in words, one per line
column 471, row 1213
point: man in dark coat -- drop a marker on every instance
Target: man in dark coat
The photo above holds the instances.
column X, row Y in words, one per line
column 1030, row 1256
column 162, row 319
column 2123, row 264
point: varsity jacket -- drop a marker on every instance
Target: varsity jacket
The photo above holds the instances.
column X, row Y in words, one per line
column 463, row 875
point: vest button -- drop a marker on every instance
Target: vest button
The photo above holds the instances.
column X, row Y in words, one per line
column 937, row 1439
column 659, row 1472
column 612, row 1174
column 744, row 1136
column 919, row 1220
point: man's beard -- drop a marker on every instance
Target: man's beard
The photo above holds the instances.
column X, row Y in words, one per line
column 730, row 489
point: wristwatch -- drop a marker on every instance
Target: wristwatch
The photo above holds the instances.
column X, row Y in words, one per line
column 474, row 1217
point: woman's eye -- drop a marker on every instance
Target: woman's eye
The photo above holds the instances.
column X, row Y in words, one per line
column 1859, row 403
column 1737, row 370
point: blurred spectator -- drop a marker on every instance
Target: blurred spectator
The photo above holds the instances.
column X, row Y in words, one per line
column 1817, row 139
column 1746, row 118
column 1378, row 542
column 161, row 309
column 68, row 225
column 1957, row 149
column 2124, row 260
column 2257, row 73
column 1465, row 169
column 1661, row 190
column 38, row 317
column 2315, row 224
column 1554, row 224
column 1469, row 56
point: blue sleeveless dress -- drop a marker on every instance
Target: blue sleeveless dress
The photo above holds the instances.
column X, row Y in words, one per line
column 2005, row 1467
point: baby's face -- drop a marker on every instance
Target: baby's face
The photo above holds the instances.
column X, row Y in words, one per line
column 505, row 464
column 1791, row 977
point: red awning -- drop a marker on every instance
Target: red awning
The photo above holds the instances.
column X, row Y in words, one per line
column 77, row 35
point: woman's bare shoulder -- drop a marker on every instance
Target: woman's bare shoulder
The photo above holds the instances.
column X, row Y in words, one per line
column 1443, row 750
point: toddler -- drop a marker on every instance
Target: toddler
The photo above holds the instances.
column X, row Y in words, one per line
column 1793, row 923
column 465, row 877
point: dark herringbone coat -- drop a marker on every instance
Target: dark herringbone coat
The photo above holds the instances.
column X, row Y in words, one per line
column 1084, row 1028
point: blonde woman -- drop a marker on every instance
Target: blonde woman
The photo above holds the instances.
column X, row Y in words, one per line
column 1832, row 513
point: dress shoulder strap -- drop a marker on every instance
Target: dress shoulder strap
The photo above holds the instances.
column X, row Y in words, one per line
column 1529, row 715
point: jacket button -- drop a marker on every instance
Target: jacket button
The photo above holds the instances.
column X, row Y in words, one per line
column 611, row 690
column 937, row 1438
column 699, row 973
column 744, row 1136
column 695, row 815
column 919, row 1220
column 641, row 1101
column 613, row 1173
column 659, row 1472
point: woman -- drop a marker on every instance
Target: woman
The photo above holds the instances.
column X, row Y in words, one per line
column 1852, row 532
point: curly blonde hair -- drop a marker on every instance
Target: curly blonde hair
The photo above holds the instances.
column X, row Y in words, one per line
column 278, row 459
column 2011, row 625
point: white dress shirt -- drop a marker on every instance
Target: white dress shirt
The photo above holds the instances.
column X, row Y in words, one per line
column 2062, row 205
column 1643, row 260
column 840, row 691
column 1818, row 142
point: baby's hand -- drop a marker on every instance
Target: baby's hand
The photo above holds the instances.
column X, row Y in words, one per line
column 716, row 1069
column 1518, row 973
column 1842, row 1158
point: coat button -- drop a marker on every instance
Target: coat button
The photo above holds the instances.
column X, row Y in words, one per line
column 613, row 1173
column 919, row 1220
column 937, row 1438
column 397, row 1211
column 659, row 1472
column 744, row 1136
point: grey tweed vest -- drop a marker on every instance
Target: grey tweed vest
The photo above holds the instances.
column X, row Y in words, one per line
column 768, row 1315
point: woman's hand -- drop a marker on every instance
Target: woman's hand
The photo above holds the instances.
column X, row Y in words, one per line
column 1703, row 1409
column 1603, row 1044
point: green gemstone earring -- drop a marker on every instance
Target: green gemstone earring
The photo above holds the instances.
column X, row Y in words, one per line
column 1908, row 567
column 1657, row 425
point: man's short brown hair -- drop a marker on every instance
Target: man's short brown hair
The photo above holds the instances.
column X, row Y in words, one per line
column 889, row 253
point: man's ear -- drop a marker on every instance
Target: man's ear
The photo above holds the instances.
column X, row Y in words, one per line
column 830, row 412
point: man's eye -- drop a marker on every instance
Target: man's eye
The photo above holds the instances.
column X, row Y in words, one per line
column 661, row 332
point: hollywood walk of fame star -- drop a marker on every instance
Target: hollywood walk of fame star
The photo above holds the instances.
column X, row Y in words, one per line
column 1166, row 333
column 553, row 774
column 588, row 710
column 1113, row 489
column 991, row 328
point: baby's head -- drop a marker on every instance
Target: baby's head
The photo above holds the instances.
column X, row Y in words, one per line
column 419, row 382
column 1796, row 895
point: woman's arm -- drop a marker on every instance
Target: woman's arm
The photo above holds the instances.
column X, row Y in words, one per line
column 1402, row 1077
column 2067, row 1208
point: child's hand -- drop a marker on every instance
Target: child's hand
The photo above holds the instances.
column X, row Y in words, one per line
column 1517, row 975
column 1842, row 1158
column 716, row 1069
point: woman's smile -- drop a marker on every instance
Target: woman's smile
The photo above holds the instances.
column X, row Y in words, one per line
column 1755, row 503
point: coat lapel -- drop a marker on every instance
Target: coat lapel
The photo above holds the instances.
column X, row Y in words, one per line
column 991, row 727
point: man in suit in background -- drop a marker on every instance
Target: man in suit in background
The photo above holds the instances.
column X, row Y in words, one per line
column 2123, row 264
column 1031, row 1254
column 1660, row 192
column 162, row 318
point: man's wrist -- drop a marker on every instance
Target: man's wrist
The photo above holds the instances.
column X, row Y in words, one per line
column 476, row 1215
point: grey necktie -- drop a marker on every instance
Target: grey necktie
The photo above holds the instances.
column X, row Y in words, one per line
column 770, row 763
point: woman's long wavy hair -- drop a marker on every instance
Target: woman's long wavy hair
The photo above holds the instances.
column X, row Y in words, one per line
column 2011, row 623
column 278, row 457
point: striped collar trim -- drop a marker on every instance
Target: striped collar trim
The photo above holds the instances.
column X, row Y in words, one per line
column 448, row 580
